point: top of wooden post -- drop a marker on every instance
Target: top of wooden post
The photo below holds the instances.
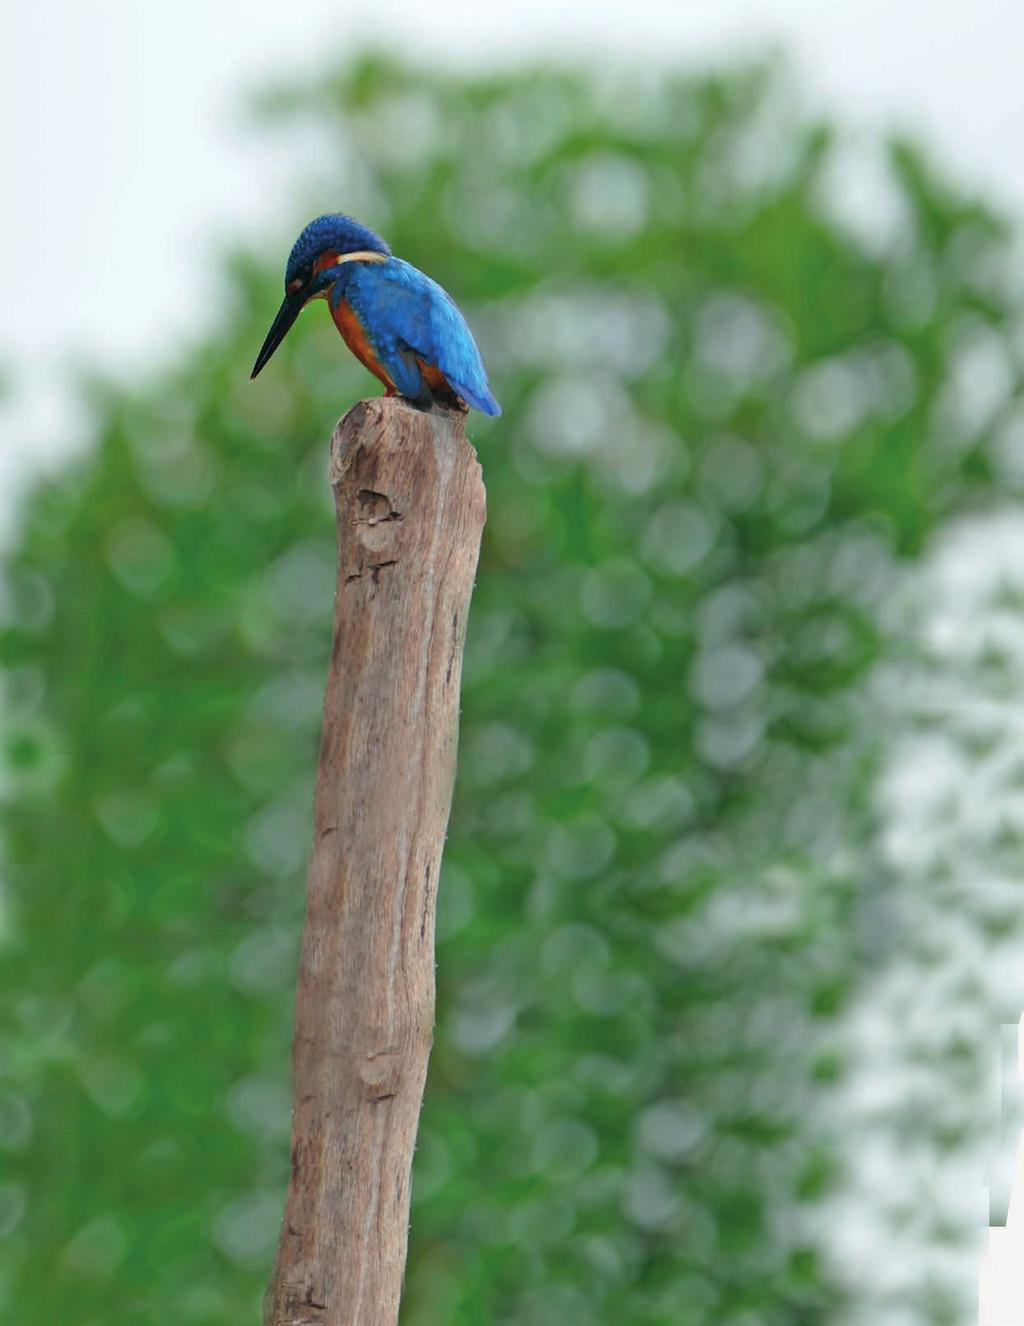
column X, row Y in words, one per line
column 390, row 426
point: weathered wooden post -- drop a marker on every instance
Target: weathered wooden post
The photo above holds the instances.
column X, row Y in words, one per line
column 410, row 508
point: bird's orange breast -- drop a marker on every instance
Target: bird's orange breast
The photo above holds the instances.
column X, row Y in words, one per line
column 354, row 335
column 433, row 376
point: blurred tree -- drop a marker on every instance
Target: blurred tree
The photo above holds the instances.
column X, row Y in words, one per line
column 744, row 377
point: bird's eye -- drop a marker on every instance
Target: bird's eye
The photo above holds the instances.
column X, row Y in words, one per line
column 295, row 285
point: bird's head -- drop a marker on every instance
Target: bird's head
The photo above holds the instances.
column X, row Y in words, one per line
column 314, row 264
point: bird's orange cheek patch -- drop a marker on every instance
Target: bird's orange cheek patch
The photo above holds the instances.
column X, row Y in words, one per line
column 326, row 260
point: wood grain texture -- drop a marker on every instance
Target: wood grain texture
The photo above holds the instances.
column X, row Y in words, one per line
column 410, row 506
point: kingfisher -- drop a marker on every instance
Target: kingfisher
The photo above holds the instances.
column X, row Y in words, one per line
column 402, row 325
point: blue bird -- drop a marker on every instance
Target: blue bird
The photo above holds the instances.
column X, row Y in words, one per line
column 395, row 320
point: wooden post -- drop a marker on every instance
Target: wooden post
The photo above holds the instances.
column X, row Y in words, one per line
column 410, row 507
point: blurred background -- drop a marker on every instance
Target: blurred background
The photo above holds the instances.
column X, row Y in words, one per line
column 730, row 935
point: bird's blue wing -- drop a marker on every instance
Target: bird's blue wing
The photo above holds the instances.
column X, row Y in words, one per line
column 413, row 316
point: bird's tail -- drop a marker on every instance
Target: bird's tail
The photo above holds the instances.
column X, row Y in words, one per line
column 479, row 397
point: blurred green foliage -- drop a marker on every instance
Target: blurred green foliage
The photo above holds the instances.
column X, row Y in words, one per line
column 734, row 402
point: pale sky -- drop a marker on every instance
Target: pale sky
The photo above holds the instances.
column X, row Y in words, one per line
column 123, row 158
column 123, row 152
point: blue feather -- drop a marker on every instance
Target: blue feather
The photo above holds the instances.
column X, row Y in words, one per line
column 398, row 322
column 408, row 315
column 334, row 231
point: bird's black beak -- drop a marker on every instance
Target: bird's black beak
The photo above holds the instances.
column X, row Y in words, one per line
column 286, row 315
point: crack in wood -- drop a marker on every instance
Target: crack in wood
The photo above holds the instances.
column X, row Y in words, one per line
column 376, row 508
column 453, row 649
column 377, row 567
column 426, row 901
column 374, row 568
